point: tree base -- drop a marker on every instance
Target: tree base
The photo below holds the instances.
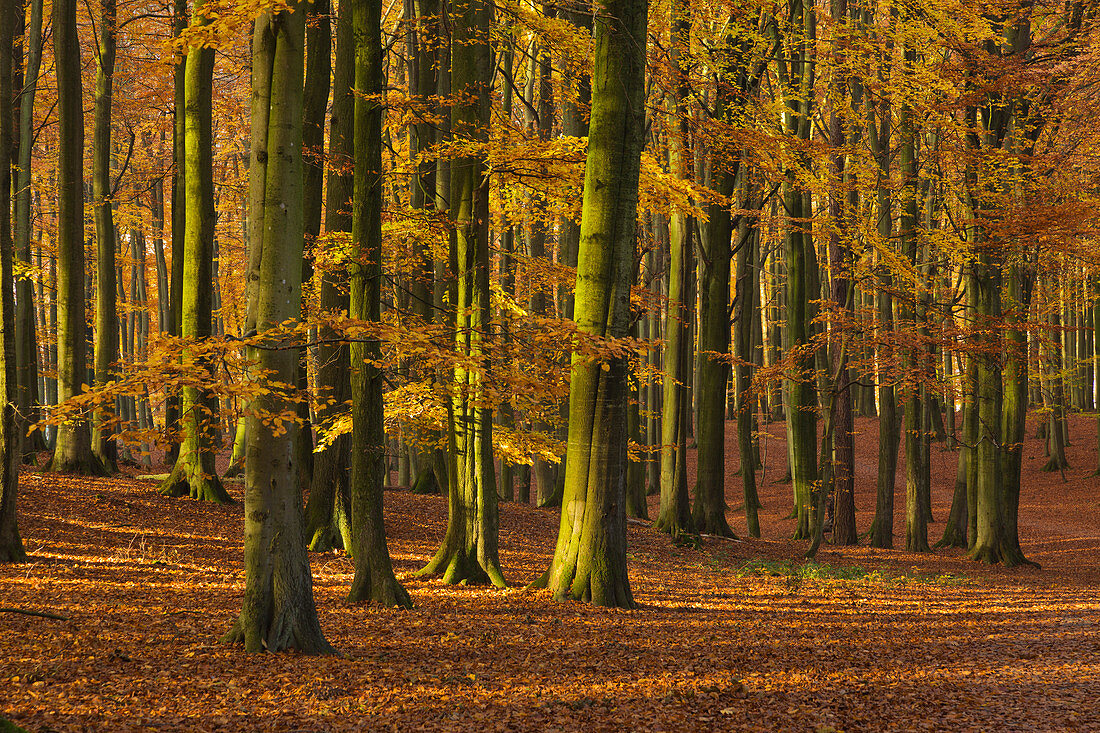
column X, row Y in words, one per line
column 1055, row 464
column 425, row 483
column 197, row 487
column 87, row 465
column 12, row 551
column 991, row 554
column 712, row 521
column 378, row 585
column 288, row 630
column 952, row 537
column 609, row 592
column 461, row 567
column 235, row 470
column 674, row 526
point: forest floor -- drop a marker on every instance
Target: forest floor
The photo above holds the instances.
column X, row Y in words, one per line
column 732, row 635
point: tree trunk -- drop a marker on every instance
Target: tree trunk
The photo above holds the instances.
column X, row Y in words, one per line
column 73, row 447
column 469, row 549
column 179, row 223
column 328, row 510
column 194, row 473
column 106, row 305
column 26, row 338
column 278, row 611
column 374, row 580
column 916, row 521
column 709, row 512
column 590, row 556
column 675, row 515
column 11, row 546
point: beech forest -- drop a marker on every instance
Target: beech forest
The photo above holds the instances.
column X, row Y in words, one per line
column 549, row 365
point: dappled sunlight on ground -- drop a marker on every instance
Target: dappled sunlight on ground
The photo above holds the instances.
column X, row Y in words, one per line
column 734, row 634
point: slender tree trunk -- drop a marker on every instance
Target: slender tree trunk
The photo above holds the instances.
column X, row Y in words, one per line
column 26, row 337
column 194, row 473
column 179, row 223
column 73, row 448
column 709, row 512
column 675, row 515
column 1018, row 299
column 842, row 215
column 916, row 521
column 374, row 579
column 106, row 308
column 469, row 549
column 328, row 511
column 1056, row 433
column 11, row 545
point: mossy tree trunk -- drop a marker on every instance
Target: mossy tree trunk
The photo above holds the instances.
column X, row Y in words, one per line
column 374, row 580
column 106, row 305
column 11, row 545
column 73, row 447
column 278, row 611
column 194, row 473
column 590, row 556
column 842, row 213
column 328, row 510
column 179, row 221
column 468, row 552
column 26, row 344
column 796, row 76
column 916, row 521
column 674, row 516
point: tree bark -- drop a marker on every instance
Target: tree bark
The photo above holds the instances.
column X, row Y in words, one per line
column 11, row 545
column 328, row 510
column 106, row 305
column 278, row 611
column 194, row 473
column 675, row 515
column 469, row 549
column 73, row 447
column 374, row 580
column 590, row 556
column 26, row 338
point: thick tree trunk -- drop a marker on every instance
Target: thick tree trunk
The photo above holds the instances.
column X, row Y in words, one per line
column 590, row 557
column 278, row 611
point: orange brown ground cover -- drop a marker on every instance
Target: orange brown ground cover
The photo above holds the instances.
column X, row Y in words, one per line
column 910, row 642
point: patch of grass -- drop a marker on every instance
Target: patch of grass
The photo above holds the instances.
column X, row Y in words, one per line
column 796, row 574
